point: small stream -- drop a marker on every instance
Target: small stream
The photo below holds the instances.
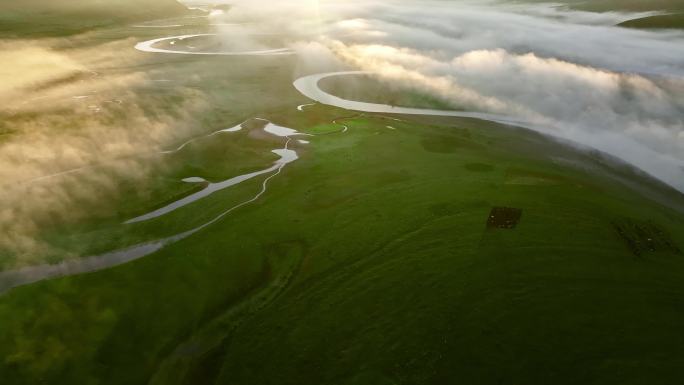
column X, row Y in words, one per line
column 13, row 278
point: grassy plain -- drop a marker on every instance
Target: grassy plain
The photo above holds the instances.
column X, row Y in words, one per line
column 363, row 263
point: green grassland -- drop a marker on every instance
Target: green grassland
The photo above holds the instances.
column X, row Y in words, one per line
column 367, row 261
column 365, row 264
column 625, row 5
column 31, row 18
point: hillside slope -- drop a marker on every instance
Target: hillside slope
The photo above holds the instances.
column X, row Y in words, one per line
column 675, row 21
column 624, row 5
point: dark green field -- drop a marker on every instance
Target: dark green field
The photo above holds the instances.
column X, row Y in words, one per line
column 675, row 21
column 422, row 251
column 625, row 5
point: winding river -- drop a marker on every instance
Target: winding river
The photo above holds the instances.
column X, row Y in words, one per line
column 309, row 87
column 149, row 46
column 286, row 156
column 13, row 278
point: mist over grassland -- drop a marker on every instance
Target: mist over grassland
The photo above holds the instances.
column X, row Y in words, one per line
column 69, row 101
column 572, row 71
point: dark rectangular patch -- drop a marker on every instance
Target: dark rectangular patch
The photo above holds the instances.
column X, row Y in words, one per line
column 503, row 218
column 644, row 237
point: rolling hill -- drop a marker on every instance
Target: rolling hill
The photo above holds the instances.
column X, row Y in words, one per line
column 673, row 21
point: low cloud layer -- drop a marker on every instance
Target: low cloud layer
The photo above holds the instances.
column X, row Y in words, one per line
column 575, row 73
column 631, row 116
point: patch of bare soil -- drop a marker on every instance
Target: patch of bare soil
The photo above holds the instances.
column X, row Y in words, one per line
column 645, row 237
column 503, row 218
